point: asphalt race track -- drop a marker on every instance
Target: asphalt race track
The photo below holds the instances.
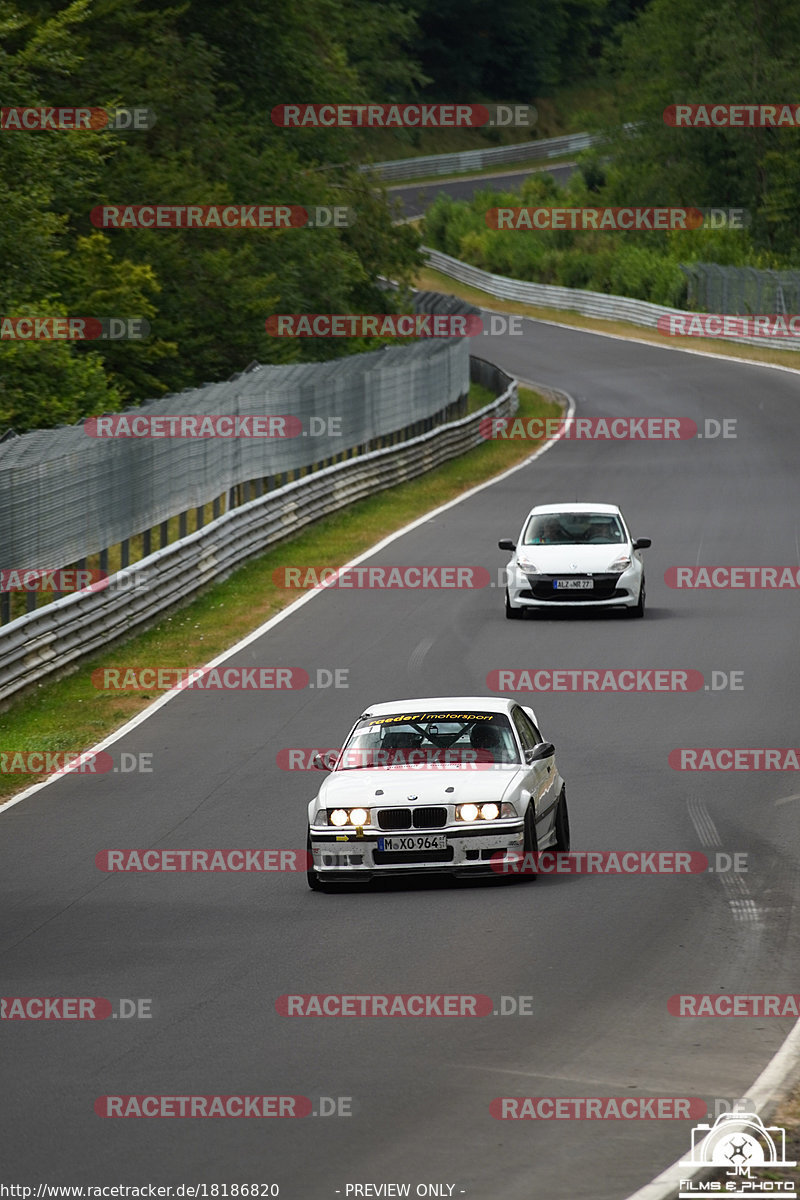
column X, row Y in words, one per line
column 416, row 198
column 599, row 955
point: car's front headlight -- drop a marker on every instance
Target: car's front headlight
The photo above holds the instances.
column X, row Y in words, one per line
column 525, row 564
column 621, row 564
column 352, row 816
column 484, row 812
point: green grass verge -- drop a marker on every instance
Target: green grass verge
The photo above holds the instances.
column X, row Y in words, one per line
column 70, row 714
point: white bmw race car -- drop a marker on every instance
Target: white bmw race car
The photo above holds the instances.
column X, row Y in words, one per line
column 575, row 555
column 457, row 785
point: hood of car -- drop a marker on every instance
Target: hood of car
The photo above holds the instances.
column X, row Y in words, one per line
column 346, row 789
column 551, row 560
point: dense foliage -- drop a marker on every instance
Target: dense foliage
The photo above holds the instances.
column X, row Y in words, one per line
column 212, row 73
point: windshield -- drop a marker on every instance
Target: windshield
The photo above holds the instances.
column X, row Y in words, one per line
column 443, row 739
column 572, row 529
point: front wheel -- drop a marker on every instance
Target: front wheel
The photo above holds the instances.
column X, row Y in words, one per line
column 530, row 845
column 312, row 878
column 638, row 609
column 562, row 824
column 513, row 614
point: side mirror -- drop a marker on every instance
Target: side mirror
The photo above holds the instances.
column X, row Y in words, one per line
column 326, row 761
column 507, row 544
column 642, row 543
column 543, row 750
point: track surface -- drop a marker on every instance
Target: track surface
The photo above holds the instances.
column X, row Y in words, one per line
column 416, row 198
column 599, row 955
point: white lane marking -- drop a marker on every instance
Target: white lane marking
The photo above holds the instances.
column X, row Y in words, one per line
column 763, row 1097
column 141, row 717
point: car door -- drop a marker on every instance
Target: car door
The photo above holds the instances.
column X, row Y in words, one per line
column 542, row 775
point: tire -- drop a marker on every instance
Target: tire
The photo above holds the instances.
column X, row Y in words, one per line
column 531, row 844
column 562, row 824
column 513, row 614
column 312, row 878
column 638, row 609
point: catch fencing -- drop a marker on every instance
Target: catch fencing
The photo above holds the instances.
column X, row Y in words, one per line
column 42, row 644
column 478, row 160
column 742, row 290
column 588, row 304
column 66, row 495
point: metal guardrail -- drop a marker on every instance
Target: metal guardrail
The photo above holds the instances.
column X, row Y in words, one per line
column 588, row 304
column 476, row 160
column 43, row 643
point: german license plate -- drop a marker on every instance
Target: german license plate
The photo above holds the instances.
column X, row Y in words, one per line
column 573, row 583
column 425, row 841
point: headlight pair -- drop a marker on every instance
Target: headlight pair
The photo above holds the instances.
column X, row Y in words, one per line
column 484, row 812
column 345, row 816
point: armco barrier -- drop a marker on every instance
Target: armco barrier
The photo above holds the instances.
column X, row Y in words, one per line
column 476, row 160
column 588, row 304
column 45, row 642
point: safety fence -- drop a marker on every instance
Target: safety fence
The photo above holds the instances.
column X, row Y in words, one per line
column 588, row 304
column 477, row 160
column 742, row 290
column 43, row 643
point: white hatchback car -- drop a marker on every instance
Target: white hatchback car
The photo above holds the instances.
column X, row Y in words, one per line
column 575, row 556
column 457, row 785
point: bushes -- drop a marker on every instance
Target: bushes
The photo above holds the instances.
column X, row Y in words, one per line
column 642, row 265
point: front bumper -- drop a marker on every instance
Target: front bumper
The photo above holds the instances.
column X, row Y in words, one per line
column 608, row 590
column 468, row 851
